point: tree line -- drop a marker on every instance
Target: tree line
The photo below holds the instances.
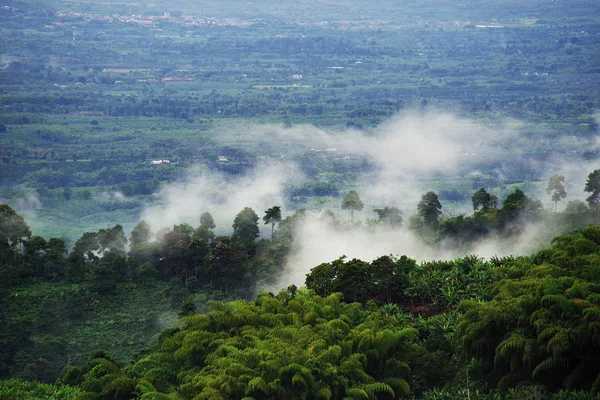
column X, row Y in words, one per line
column 488, row 218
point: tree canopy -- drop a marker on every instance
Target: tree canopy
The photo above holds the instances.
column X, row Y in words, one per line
column 12, row 225
column 352, row 202
column 272, row 216
column 245, row 227
column 482, row 199
column 429, row 209
column 592, row 186
column 391, row 216
column 556, row 188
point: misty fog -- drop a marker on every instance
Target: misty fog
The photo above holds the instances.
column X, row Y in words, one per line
column 408, row 150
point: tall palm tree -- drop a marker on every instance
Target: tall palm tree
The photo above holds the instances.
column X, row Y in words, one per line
column 272, row 216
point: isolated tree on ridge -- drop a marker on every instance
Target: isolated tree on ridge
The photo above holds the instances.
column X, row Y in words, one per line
column 593, row 186
column 272, row 216
column 556, row 187
column 207, row 224
column 429, row 209
column 352, row 202
column 245, row 227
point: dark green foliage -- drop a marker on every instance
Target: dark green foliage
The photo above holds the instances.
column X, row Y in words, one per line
column 482, row 199
column 272, row 216
column 541, row 325
column 225, row 261
column 429, row 208
column 592, row 186
column 207, row 224
column 517, row 209
column 435, row 285
column 523, row 319
column 12, row 226
column 245, row 228
column 188, row 308
column 391, row 216
column 140, row 235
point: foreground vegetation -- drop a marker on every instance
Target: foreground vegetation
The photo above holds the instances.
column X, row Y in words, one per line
column 536, row 324
column 103, row 105
column 390, row 328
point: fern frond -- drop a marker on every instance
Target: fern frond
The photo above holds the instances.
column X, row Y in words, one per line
column 592, row 314
column 515, row 344
column 395, row 367
column 324, row 394
column 357, row 394
column 547, row 333
column 400, row 386
column 509, row 380
column 559, row 301
column 560, row 343
column 548, row 364
column 144, row 387
column 255, row 385
column 299, row 381
column 339, row 324
column 379, row 387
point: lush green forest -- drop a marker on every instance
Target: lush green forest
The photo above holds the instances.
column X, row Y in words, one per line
column 92, row 317
column 316, row 200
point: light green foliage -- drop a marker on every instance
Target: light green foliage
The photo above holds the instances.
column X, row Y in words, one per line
column 265, row 350
column 14, row 389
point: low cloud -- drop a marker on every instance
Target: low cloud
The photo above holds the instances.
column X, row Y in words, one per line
column 408, row 152
column 222, row 196
column 319, row 241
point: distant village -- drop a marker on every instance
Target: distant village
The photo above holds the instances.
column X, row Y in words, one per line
column 152, row 20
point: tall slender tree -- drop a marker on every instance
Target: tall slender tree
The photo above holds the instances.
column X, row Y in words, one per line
column 272, row 216
column 556, row 187
column 593, row 186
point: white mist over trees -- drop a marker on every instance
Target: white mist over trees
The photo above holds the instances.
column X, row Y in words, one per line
column 431, row 144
